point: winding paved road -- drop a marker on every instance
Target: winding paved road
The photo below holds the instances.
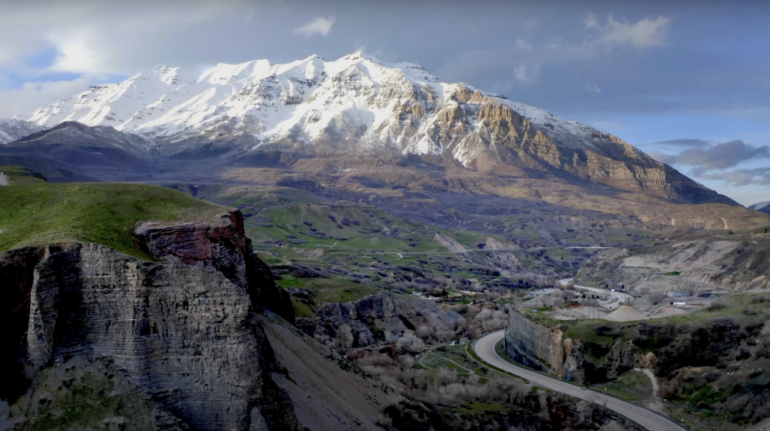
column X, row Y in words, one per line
column 485, row 348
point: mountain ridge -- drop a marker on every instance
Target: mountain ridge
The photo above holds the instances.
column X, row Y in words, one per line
column 12, row 129
column 358, row 105
column 761, row 206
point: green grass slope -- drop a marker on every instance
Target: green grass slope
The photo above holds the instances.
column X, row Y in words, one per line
column 21, row 175
column 37, row 213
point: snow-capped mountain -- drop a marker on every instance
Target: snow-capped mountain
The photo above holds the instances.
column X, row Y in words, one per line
column 11, row 130
column 359, row 104
column 762, row 206
column 75, row 134
column 394, row 105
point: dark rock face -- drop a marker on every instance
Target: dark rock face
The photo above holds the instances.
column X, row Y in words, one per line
column 185, row 330
column 221, row 247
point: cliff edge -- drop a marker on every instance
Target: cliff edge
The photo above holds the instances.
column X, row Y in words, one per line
column 183, row 329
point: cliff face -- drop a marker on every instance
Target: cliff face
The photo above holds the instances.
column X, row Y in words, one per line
column 536, row 346
column 184, row 331
column 546, row 349
column 222, row 247
column 486, row 133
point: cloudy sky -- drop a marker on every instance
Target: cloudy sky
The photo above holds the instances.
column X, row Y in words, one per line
column 687, row 81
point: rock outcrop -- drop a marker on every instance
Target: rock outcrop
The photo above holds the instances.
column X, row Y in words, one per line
column 222, row 247
column 546, row 349
column 184, row 329
column 737, row 261
column 379, row 318
column 537, row 346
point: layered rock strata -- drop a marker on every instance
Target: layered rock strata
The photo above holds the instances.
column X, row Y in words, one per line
column 222, row 247
column 184, row 329
column 546, row 349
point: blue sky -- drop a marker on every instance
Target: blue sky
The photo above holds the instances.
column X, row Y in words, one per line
column 683, row 80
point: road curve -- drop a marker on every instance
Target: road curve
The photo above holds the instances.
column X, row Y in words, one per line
column 485, row 348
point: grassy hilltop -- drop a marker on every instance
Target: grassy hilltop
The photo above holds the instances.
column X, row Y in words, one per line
column 34, row 212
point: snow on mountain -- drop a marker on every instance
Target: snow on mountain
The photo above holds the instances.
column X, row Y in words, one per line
column 762, row 206
column 11, row 129
column 355, row 98
column 360, row 105
column 73, row 133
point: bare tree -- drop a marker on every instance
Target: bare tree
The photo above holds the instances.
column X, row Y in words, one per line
column 409, row 343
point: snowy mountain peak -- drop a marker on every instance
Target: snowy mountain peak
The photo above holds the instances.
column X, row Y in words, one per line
column 761, row 206
column 360, row 104
column 171, row 75
column 354, row 103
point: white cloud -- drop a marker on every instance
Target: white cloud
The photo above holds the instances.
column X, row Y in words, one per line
column 591, row 21
column 523, row 45
column 593, row 88
column 646, row 33
column 111, row 36
column 318, row 26
column 526, row 74
column 558, row 43
column 21, row 101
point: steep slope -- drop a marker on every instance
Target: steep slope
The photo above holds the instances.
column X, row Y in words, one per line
column 358, row 104
column 70, row 148
column 328, row 392
column 171, row 329
column 181, row 320
column 11, row 129
column 93, row 338
column 694, row 264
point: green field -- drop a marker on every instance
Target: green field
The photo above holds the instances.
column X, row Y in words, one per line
column 329, row 289
column 38, row 213
column 453, row 358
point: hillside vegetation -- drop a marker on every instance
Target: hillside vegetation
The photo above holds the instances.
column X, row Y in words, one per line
column 713, row 365
column 35, row 212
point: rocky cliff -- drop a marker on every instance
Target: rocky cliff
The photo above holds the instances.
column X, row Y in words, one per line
column 379, row 318
column 222, row 247
column 184, row 329
column 691, row 264
column 537, row 346
column 584, row 362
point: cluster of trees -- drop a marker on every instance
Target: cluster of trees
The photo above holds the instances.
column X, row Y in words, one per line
column 444, row 387
column 436, row 386
column 476, row 320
